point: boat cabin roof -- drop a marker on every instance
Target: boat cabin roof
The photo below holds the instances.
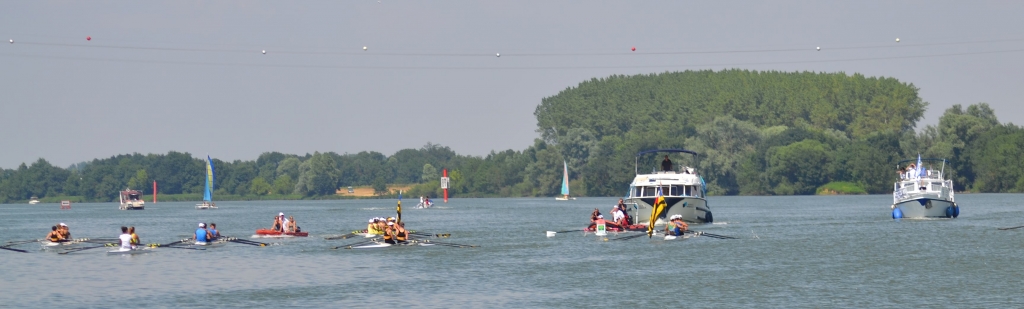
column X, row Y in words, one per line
column 666, row 178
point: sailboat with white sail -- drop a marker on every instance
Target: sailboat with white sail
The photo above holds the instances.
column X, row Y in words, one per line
column 565, row 184
column 208, row 188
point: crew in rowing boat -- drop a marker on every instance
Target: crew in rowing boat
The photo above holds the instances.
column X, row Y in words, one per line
column 371, row 228
column 202, row 235
column 382, row 224
column 135, row 238
column 389, row 233
column 214, row 233
column 677, row 224
column 125, row 239
column 63, row 230
column 54, row 235
column 401, row 235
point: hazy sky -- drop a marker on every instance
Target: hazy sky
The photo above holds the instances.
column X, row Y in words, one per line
column 190, row 76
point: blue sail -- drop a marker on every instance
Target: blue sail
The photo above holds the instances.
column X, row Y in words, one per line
column 208, row 188
column 565, row 178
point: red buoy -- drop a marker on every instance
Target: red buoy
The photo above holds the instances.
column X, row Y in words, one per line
column 88, row 38
column 634, row 48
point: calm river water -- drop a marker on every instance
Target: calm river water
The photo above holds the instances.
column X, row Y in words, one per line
column 797, row 251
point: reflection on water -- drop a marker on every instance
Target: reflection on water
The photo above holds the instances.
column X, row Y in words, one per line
column 835, row 251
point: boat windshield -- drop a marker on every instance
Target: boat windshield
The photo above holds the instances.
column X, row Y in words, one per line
column 667, row 190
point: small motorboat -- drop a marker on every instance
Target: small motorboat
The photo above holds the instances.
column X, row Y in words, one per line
column 632, row 228
column 273, row 233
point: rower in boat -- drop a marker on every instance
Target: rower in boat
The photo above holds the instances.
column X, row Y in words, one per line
column 677, row 225
column 63, row 230
column 135, row 238
column 371, row 227
column 202, row 235
column 401, row 234
column 125, row 239
column 54, row 235
column 214, row 233
column 389, row 233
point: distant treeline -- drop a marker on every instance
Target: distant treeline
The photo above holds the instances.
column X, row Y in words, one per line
column 756, row 132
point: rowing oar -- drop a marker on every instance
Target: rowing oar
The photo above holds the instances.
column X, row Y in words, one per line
column 630, row 236
column 346, row 236
column 1010, row 228
column 15, row 250
column 711, row 235
column 168, row 244
column 358, row 243
column 247, row 242
column 446, row 235
column 15, row 243
column 566, row 231
column 86, row 248
column 449, row 244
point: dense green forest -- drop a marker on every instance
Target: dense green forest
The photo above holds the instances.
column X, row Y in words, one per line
column 757, row 133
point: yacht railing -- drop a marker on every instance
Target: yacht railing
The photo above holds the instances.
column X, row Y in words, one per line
column 918, row 187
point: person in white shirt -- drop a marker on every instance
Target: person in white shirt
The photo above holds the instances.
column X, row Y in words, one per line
column 125, row 238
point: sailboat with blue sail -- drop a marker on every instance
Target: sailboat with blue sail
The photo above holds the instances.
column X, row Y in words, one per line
column 565, row 184
column 208, row 188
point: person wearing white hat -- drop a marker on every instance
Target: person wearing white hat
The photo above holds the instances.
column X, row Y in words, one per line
column 202, row 235
column 677, row 225
column 63, row 230
column 371, row 227
column 389, row 233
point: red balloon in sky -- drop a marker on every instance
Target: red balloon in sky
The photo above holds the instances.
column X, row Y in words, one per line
column 634, row 48
column 88, row 38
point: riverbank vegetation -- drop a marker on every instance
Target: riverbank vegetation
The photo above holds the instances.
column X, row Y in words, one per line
column 757, row 133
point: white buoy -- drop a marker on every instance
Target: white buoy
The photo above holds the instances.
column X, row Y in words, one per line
column 498, row 54
column 264, row 51
column 552, row 233
column 897, row 40
column 819, row 48
column 12, row 41
column 364, row 47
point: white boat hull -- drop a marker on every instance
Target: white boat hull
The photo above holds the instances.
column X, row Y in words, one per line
column 120, row 251
column 924, row 208
column 692, row 209
column 386, row 245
